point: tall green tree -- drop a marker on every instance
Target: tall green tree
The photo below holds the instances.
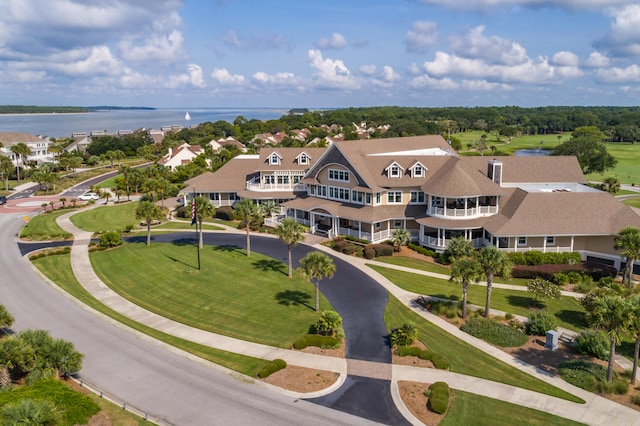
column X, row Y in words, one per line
column 459, row 247
column 400, row 237
column 465, row 270
column 493, row 262
column 148, row 212
column 613, row 315
column 6, row 167
column 316, row 265
column 634, row 327
column 204, row 208
column 587, row 145
column 21, row 151
column 247, row 210
column 629, row 242
column 291, row 233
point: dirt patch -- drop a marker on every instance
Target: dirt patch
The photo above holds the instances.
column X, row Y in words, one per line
column 407, row 252
column 338, row 352
column 412, row 394
column 412, row 361
column 301, row 379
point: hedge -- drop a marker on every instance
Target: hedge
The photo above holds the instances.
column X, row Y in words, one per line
column 438, row 397
column 494, row 332
column 535, row 257
column 421, row 250
column 325, row 342
column 439, row 361
column 271, row 367
column 381, row 249
column 596, row 271
column 224, row 213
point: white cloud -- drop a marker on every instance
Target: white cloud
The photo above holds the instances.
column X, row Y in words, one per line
column 564, row 4
column 278, row 79
column 564, row 58
column 256, row 42
column 195, row 76
column 225, row 78
column 495, row 50
column 163, row 47
column 367, row 69
column 623, row 39
column 99, row 61
column 336, row 41
column 597, row 60
column 422, row 36
column 330, row 73
column 425, row 81
column 390, row 75
column 630, row 74
column 413, row 69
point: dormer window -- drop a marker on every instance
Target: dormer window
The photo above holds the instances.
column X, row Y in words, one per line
column 303, row 159
column 274, row 159
column 394, row 170
column 417, row 170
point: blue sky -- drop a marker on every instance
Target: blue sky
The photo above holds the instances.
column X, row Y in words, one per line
column 328, row 53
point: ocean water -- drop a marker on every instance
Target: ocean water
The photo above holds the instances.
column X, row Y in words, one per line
column 63, row 125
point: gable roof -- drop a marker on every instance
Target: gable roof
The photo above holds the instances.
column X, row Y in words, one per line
column 454, row 178
column 533, row 169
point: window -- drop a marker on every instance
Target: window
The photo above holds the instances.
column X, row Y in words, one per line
column 522, row 241
column 394, row 171
column 397, row 224
column 378, row 225
column 357, row 196
column 269, row 179
column 551, row 241
column 418, row 170
column 378, row 197
column 338, row 193
column 339, row 175
column 394, row 197
column 367, row 198
column 303, row 159
column 274, row 159
column 322, row 191
column 233, row 196
column 417, row 197
column 312, row 190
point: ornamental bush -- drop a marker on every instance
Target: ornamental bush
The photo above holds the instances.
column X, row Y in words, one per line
column 494, row 332
column 369, row 253
column 271, row 367
column 583, row 374
column 438, row 397
column 593, row 342
column 223, row 213
column 540, row 322
column 110, row 239
column 381, row 249
column 318, row 340
column 404, row 335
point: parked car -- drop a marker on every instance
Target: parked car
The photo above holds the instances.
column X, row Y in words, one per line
column 3, row 199
column 89, row 196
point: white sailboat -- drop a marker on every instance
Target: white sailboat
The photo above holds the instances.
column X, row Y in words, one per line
column 187, row 116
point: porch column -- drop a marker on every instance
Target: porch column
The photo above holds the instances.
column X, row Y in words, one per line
column 359, row 229
column 572, row 242
column 544, row 244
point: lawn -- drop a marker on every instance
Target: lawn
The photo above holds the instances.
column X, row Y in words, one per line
column 58, row 269
column 567, row 310
column 250, row 298
column 633, row 202
column 521, row 142
column 44, row 227
column 627, row 170
column 464, row 358
column 104, row 218
column 182, row 225
column 470, row 409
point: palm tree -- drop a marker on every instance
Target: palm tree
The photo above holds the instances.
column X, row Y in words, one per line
column 6, row 167
column 28, row 411
column 316, row 265
column 118, row 154
column 635, row 329
column 62, row 356
column 291, row 233
column 148, row 212
column 611, row 184
column 14, row 354
column 493, row 262
column 629, row 242
column 613, row 315
column 6, row 319
column 204, row 208
column 247, row 210
column 459, row 247
column 401, row 237
column 63, row 200
column 465, row 270
column 269, row 208
column 20, row 150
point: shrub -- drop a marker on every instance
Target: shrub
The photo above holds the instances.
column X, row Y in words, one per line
column 540, row 322
column 339, row 245
column 355, row 239
column 381, row 249
column 543, row 289
column 494, row 332
column 224, row 213
column 574, row 277
column 110, row 239
column 438, row 397
column 636, row 399
column 421, row 250
column 129, row 228
column 583, row 374
column 271, row 367
column 317, row 340
column 328, row 323
column 618, row 387
column 349, row 249
column 593, row 342
column 404, row 335
column 369, row 253
column 560, row 278
column 508, row 316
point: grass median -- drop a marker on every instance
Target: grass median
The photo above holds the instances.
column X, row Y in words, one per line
column 44, row 227
column 103, row 218
column 567, row 310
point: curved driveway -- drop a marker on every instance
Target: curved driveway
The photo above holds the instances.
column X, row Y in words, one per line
column 146, row 374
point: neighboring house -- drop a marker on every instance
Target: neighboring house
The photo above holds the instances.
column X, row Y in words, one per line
column 39, row 147
column 181, row 155
column 274, row 174
column 217, row 145
column 79, row 143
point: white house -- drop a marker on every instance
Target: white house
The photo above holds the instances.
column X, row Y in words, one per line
column 180, row 155
column 39, row 146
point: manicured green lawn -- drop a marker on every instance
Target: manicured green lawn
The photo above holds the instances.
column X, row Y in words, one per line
column 245, row 297
column 470, row 409
column 464, row 358
column 566, row 309
column 182, row 225
column 43, row 227
column 627, row 170
column 109, row 183
column 104, row 218
column 58, row 269
column 633, row 202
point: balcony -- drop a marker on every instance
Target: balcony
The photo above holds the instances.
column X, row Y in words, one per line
column 266, row 187
column 462, row 213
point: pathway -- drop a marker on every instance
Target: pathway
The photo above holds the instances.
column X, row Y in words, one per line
column 362, row 372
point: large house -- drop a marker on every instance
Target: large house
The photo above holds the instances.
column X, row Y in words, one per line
column 39, row 147
column 370, row 188
column 180, row 155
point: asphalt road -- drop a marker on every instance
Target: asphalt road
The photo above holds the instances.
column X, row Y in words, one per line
column 142, row 372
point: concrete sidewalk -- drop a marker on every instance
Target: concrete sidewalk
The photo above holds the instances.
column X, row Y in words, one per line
column 596, row 411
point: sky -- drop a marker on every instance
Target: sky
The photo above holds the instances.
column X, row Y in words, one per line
column 319, row 53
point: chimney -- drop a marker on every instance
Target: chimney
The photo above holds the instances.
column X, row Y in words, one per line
column 494, row 171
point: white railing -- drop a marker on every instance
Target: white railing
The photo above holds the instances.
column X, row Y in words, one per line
column 354, row 233
column 273, row 221
column 256, row 186
column 466, row 213
column 549, row 249
column 220, row 203
column 440, row 243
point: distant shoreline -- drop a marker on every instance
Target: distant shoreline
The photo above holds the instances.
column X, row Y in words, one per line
column 12, row 114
